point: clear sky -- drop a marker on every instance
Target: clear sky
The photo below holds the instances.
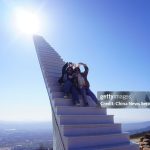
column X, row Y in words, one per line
column 111, row 36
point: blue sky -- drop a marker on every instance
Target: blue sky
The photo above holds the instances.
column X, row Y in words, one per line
column 112, row 37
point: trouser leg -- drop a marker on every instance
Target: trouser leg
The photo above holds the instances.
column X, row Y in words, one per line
column 84, row 96
column 75, row 95
column 67, row 87
column 92, row 95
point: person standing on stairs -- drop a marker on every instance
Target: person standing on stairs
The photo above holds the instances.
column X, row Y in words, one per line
column 83, row 84
column 67, row 81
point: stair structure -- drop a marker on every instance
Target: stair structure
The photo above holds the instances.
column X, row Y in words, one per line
column 76, row 128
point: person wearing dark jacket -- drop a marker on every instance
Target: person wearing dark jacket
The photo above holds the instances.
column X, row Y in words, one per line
column 67, row 81
column 83, row 85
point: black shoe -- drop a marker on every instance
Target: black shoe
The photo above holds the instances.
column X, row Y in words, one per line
column 86, row 105
column 66, row 96
column 98, row 105
column 78, row 104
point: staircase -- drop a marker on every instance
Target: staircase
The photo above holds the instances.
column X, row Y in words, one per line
column 76, row 128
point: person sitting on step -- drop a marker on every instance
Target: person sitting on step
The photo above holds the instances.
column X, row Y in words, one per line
column 67, row 81
column 83, row 84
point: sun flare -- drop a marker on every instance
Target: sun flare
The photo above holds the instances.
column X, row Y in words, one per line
column 27, row 21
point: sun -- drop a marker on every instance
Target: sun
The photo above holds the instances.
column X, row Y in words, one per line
column 27, row 21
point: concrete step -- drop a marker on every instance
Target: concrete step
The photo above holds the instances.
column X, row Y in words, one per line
column 50, row 62
column 96, row 140
column 46, row 63
column 65, row 110
column 49, row 66
column 47, row 52
column 57, row 94
column 51, row 83
column 90, row 129
column 43, row 59
column 51, row 59
column 122, row 146
column 51, row 54
column 56, row 89
column 85, row 119
column 52, row 68
column 56, row 64
column 62, row 102
column 53, row 73
column 45, row 45
column 53, row 78
column 46, row 49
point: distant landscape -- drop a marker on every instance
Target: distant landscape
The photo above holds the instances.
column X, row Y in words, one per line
column 24, row 136
column 134, row 128
column 38, row 135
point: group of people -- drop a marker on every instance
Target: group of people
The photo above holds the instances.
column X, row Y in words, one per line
column 75, row 82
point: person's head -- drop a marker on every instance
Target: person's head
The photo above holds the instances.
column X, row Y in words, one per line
column 69, row 70
column 77, row 70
